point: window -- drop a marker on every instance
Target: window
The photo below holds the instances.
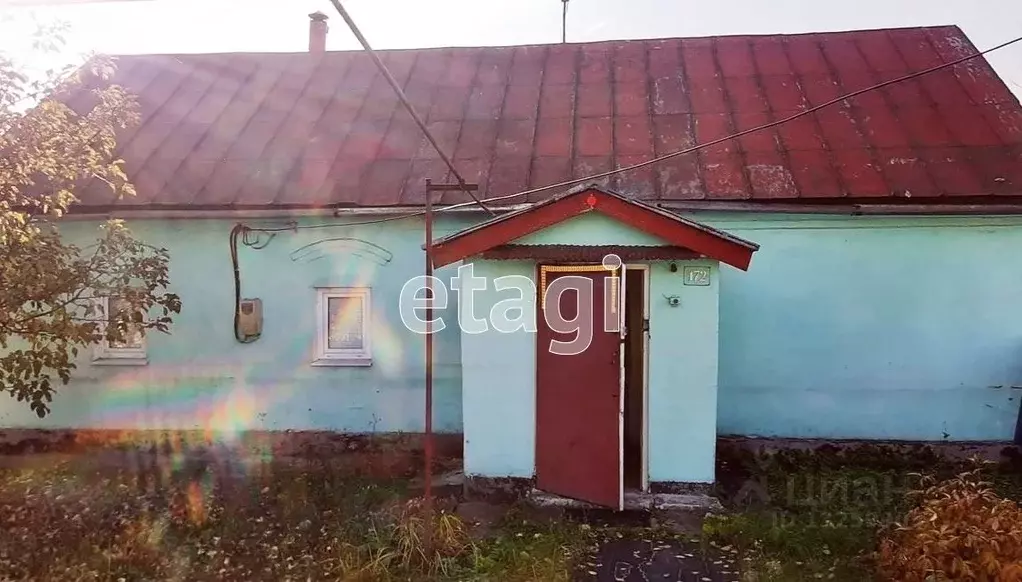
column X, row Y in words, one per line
column 129, row 350
column 342, row 321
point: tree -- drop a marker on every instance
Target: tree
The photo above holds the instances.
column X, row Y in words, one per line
column 51, row 289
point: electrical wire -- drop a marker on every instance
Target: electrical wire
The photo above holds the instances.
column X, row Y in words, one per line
column 739, row 134
column 243, row 231
column 249, row 236
column 693, row 149
column 239, row 230
column 407, row 104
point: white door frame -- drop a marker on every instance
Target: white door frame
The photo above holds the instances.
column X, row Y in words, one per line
column 622, row 329
column 623, row 306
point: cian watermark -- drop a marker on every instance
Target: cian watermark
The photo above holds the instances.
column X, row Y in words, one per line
column 826, row 500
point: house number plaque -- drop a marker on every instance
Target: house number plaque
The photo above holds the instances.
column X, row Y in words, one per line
column 699, row 276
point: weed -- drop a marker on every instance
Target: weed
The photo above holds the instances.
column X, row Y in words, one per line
column 427, row 541
column 525, row 551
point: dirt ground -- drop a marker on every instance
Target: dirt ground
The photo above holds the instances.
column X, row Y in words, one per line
column 223, row 515
column 123, row 516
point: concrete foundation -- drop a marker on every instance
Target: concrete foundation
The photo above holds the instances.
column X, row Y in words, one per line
column 986, row 450
column 635, row 501
column 398, row 447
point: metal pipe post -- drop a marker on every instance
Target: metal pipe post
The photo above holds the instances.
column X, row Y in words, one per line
column 429, row 347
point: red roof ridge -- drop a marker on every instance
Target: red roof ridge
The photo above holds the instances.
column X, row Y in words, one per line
column 609, row 41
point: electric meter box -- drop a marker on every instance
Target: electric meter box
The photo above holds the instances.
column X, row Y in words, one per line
column 250, row 317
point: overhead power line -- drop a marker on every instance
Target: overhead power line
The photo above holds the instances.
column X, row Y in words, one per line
column 243, row 232
column 693, row 149
column 770, row 125
column 407, row 104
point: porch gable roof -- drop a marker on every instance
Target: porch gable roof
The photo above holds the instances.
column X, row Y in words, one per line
column 671, row 228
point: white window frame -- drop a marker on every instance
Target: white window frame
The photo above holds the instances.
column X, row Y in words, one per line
column 325, row 356
column 104, row 353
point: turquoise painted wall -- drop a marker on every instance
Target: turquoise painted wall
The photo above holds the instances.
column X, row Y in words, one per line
column 590, row 229
column 499, row 384
column 683, row 350
column 844, row 327
column 199, row 377
column 889, row 328
column 499, row 369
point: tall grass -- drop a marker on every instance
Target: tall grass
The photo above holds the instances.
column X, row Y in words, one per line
column 408, row 540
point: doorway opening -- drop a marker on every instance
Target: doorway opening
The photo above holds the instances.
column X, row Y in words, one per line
column 636, row 314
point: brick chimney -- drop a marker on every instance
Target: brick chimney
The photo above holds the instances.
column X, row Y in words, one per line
column 317, row 32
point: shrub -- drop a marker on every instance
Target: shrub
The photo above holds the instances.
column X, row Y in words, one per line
column 960, row 530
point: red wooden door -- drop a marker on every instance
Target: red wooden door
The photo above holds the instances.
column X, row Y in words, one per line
column 578, row 398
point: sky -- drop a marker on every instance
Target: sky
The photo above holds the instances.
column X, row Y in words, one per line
column 189, row 26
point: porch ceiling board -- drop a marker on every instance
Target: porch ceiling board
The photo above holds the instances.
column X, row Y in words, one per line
column 588, row 253
column 671, row 228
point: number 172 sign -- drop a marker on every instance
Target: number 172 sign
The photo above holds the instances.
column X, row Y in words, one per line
column 699, row 276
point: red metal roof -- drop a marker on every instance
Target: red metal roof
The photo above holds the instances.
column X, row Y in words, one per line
column 308, row 130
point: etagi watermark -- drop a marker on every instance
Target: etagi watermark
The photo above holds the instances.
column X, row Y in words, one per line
column 517, row 313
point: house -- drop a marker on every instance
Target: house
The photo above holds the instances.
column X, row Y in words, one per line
column 849, row 274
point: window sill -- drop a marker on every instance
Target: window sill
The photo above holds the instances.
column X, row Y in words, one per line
column 342, row 362
column 120, row 362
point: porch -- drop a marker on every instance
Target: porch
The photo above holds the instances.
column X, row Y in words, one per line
column 589, row 347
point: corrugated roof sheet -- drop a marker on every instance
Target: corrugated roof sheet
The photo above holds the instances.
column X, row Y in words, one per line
column 307, row 130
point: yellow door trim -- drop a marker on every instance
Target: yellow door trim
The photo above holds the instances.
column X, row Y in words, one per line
column 544, row 269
